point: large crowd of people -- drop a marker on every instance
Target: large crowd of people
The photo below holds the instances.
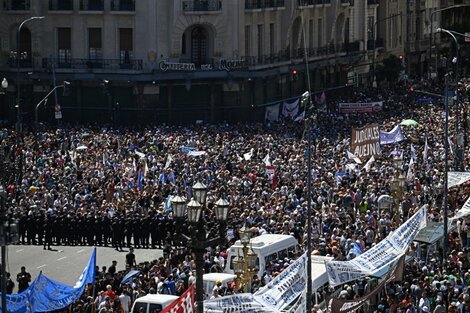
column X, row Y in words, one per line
column 112, row 187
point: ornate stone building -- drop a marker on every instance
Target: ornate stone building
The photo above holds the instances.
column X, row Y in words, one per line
column 178, row 60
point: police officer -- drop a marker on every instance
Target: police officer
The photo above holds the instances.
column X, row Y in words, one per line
column 47, row 226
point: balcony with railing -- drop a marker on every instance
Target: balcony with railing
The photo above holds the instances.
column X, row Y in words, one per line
column 92, row 64
column 91, row 5
column 123, row 5
column 379, row 43
column 202, row 6
column 304, row 3
column 263, row 4
column 60, row 5
column 16, row 5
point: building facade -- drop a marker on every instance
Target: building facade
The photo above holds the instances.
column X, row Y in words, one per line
column 177, row 61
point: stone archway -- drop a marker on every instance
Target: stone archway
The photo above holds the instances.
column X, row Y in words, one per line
column 197, row 44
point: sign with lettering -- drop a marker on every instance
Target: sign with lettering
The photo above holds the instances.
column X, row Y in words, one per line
column 360, row 107
column 218, row 65
column 365, row 141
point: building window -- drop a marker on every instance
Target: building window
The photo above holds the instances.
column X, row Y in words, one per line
column 370, row 27
column 64, row 44
column 320, row 32
column 310, row 34
column 272, row 39
column 95, row 48
column 260, row 40
column 247, row 40
column 126, row 45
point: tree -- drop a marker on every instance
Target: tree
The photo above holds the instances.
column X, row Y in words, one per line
column 390, row 69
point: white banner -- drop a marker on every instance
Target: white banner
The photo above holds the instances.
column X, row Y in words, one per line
column 285, row 288
column 381, row 255
column 290, row 109
column 457, row 178
column 238, row 303
column 352, row 156
column 464, row 210
column 361, row 107
column 196, row 153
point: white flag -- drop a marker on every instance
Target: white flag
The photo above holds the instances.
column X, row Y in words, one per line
column 140, row 154
column 369, row 163
column 425, row 153
column 146, row 168
column 450, row 146
column 413, row 153
column 354, row 157
column 169, row 159
column 248, row 155
column 267, row 160
column 464, row 211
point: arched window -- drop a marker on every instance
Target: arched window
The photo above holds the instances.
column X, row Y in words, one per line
column 198, row 45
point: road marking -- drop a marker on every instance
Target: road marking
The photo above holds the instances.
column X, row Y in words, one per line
column 19, row 250
column 64, row 257
column 80, row 251
column 41, row 266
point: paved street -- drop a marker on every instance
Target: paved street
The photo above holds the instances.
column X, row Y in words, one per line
column 65, row 264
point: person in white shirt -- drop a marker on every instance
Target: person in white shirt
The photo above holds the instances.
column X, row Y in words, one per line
column 424, row 304
column 125, row 301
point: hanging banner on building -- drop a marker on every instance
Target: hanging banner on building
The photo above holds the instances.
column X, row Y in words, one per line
column 360, row 107
column 457, row 178
column 365, row 141
column 393, row 136
column 290, row 109
column 285, row 288
column 341, row 306
column 184, row 304
column 272, row 113
column 379, row 256
column 58, row 112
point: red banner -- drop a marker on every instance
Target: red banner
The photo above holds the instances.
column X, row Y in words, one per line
column 184, row 304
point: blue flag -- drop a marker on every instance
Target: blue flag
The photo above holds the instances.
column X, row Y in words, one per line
column 128, row 278
column 45, row 294
column 393, row 136
column 140, row 179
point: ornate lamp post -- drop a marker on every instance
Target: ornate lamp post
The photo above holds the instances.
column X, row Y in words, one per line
column 198, row 241
column 245, row 266
column 398, row 184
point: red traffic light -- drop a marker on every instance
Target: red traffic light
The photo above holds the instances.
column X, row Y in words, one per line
column 401, row 57
column 411, row 89
column 294, row 72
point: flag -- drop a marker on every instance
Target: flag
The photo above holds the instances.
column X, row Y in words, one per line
column 140, row 179
column 425, row 152
column 352, row 156
column 162, row 178
column 128, row 278
column 168, row 204
column 169, row 159
column 184, row 304
column 369, row 163
column 146, row 168
column 139, row 154
column 413, row 154
column 410, row 175
column 267, row 160
column 300, row 117
column 248, row 155
column 171, row 177
column 450, row 146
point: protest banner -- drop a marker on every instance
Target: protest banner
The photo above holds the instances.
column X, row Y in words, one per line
column 360, row 107
column 365, row 141
column 184, row 304
column 393, row 136
column 457, row 178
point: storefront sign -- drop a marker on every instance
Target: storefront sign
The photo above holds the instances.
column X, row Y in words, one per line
column 219, row 65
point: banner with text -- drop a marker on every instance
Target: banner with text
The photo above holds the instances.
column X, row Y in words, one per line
column 457, row 178
column 379, row 256
column 285, row 288
column 360, row 107
column 238, row 303
column 184, row 304
column 342, row 306
column 365, row 141
column 464, row 211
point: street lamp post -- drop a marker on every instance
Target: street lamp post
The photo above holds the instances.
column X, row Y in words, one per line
column 431, row 29
column 398, row 185
column 18, row 54
column 245, row 266
column 198, row 241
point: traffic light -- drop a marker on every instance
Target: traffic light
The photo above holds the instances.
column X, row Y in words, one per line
column 411, row 89
column 294, row 75
column 401, row 57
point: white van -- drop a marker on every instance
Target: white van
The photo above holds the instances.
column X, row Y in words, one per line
column 268, row 247
column 211, row 278
column 152, row 303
